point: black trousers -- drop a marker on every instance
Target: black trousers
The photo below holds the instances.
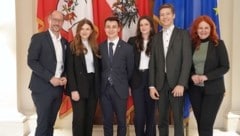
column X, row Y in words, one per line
column 84, row 112
column 47, row 105
column 205, row 108
column 112, row 103
column 144, row 108
column 166, row 100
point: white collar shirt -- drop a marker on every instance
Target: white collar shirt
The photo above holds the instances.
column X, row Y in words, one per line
column 89, row 58
column 144, row 59
column 59, row 53
column 167, row 33
column 115, row 42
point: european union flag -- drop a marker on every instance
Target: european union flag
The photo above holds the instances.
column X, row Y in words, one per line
column 185, row 12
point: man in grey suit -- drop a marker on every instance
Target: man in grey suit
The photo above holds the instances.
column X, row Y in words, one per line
column 117, row 67
column 46, row 55
column 170, row 65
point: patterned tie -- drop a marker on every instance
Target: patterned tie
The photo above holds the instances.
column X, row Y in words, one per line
column 110, row 51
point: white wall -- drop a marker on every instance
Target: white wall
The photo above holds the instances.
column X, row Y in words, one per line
column 224, row 16
column 8, row 82
column 235, row 48
column 26, row 26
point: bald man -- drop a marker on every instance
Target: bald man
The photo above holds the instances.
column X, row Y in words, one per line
column 46, row 56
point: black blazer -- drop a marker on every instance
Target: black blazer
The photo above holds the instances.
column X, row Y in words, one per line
column 216, row 65
column 76, row 74
column 136, row 77
column 42, row 61
column 178, row 60
column 121, row 68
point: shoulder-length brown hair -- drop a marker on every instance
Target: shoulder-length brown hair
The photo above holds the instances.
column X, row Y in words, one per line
column 139, row 38
column 77, row 46
column 213, row 32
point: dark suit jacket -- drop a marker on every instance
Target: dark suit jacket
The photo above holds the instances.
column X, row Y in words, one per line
column 76, row 74
column 216, row 65
column 136, row 77
column 42, row 60
column 121, row 68
column 178, row 60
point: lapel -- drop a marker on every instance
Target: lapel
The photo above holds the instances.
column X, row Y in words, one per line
column 117, row 51
column 63, row 43
column 104, row 53
column 174, row 33
column 209, row 53
column 138, row 55
column 83, row 62
column 50, row 43
column 95, row 60
column 160, row 46
column 64, row 47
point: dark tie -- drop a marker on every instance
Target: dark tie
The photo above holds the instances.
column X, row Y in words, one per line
column 110, row 49
column 110, row 54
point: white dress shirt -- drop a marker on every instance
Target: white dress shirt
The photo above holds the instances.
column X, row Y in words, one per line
column 166, row 38
column 59, row 54
column 89, row 57
column 144, row 59
column 167, row 33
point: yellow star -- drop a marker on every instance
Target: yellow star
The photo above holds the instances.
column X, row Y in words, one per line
column 216, row 11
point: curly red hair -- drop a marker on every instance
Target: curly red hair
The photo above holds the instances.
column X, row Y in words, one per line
column 213, row 32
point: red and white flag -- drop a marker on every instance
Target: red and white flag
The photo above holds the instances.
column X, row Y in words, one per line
column 74, row 11
column 104, row 8
column 101, row 10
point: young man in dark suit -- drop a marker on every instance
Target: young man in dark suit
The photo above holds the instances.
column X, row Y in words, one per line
column 170, row 64
column 117, row 67
column 46, row 56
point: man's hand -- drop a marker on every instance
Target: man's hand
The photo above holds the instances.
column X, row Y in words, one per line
column 55, row 81
column 178, row 91
column 154, row 93
column 63, row 81
column 75, row 95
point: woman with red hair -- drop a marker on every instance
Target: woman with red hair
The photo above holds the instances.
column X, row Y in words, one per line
column 210, row 63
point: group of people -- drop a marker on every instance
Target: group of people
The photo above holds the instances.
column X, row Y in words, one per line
column 159, row 68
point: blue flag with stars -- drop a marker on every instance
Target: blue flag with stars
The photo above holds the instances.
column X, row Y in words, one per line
column 185, row 12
